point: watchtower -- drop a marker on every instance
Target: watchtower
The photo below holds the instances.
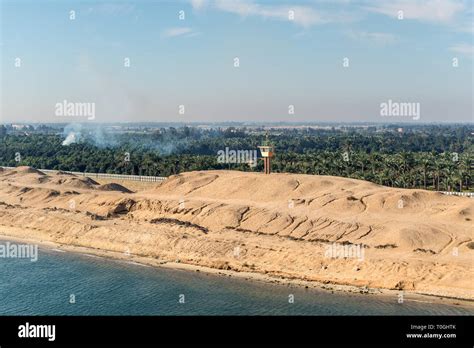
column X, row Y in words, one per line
column 267, row 151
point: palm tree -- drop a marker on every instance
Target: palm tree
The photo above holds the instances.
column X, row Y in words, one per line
column 449, row 176
column 426, row 165
column 438, row 169
column 465, row 167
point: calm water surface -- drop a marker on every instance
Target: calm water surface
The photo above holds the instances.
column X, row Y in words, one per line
column 108, row 287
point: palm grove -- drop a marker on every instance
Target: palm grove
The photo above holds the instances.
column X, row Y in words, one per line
column 431, row 156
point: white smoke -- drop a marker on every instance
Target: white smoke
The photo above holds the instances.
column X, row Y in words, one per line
column 70, row 139
column 72, row 133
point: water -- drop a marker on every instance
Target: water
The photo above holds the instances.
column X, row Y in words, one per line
column 108, row 287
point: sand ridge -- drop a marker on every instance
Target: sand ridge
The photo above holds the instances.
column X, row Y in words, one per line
column 278, row 224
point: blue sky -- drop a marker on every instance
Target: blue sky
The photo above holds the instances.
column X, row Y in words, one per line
column 283, row 61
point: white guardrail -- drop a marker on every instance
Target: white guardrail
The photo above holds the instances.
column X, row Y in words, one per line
column 162, row 178
column 142, row 178
column 462, row 194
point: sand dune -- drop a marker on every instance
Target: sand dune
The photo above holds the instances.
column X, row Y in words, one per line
column 113, row 187
column 281, row 225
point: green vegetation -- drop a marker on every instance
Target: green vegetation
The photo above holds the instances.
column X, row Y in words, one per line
column 431, row 157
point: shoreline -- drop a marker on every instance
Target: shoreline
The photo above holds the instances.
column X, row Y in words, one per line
column 409, row 296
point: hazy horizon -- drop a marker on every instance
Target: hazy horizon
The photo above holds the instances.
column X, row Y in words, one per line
column 248, row 123
column 298, row 61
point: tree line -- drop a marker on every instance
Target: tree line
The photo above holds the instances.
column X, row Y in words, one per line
column 429, row 157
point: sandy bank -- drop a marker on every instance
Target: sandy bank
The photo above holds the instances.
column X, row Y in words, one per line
column 276, row 228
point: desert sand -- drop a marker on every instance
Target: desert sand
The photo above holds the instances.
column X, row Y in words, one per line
column 277, row 226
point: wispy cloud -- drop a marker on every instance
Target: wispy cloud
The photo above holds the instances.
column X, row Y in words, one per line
column 198, row 4
column 373, row 37
column 464, row 49
column 305, row 16
column 113, row 9
column 467, row 28
column 436, row 11
column 179, row 31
